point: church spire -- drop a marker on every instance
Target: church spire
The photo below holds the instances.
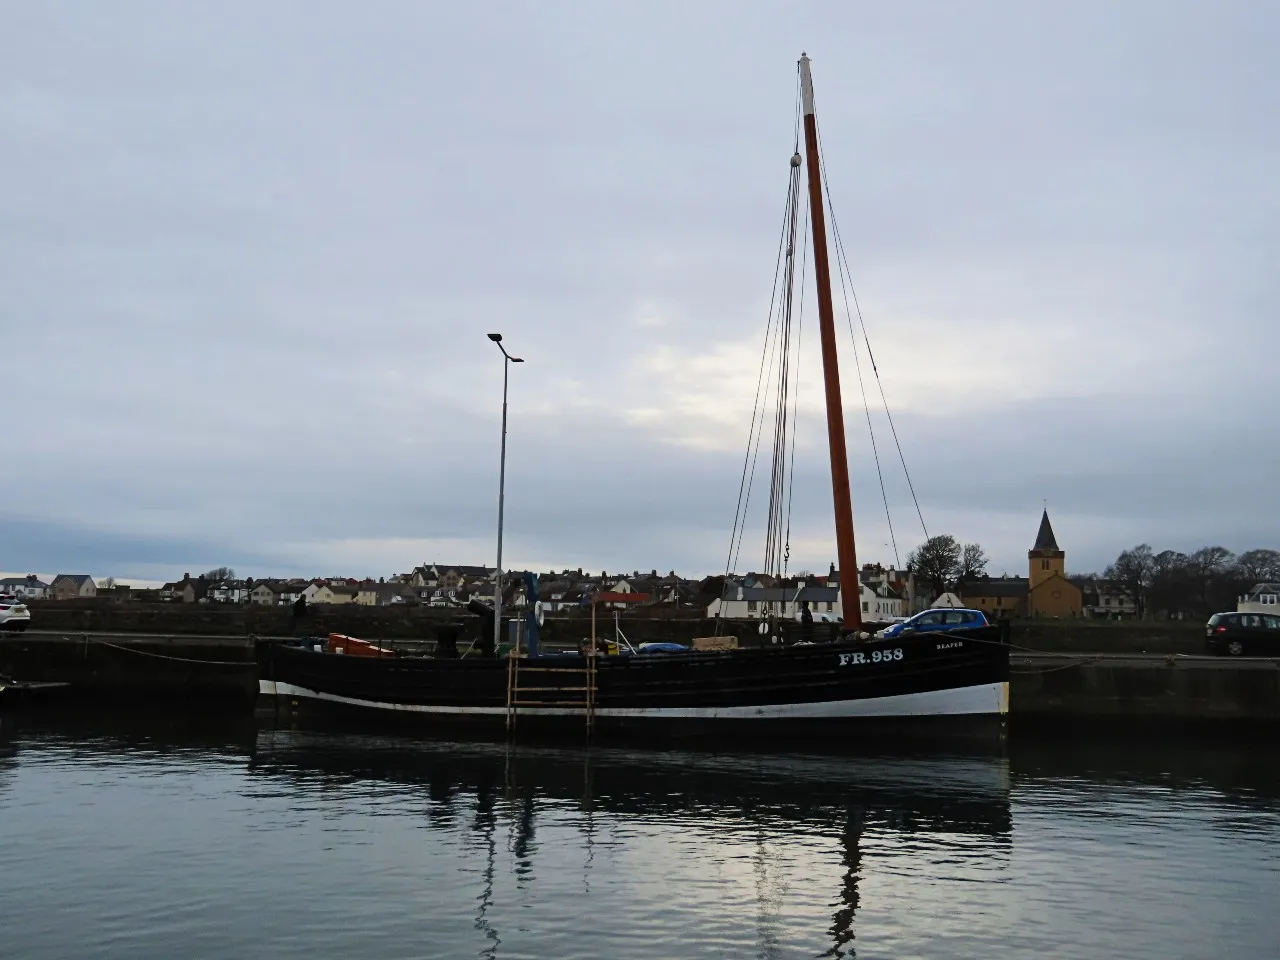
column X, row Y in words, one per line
column 1045, row 539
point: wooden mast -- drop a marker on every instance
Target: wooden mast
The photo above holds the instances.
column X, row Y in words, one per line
column 851, row 600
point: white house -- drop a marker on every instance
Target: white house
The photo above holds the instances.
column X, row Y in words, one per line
column 947, row 600
column 901, row 584
column 879, row 602
column 742, row 603
column 1106, row 599
column 747, row 603
column 229, row 591
column 1263, row 598
column 29, row 587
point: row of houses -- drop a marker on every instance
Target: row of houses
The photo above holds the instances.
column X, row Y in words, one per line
column 65, row 586
column 324, row 590
column 438, row 585
column 885, row 591
column 884, row 594
column 997, row 597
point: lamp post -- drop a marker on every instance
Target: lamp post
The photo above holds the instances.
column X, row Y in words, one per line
column 507, row 360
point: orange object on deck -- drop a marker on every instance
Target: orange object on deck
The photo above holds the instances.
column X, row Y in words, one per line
column 353, row 647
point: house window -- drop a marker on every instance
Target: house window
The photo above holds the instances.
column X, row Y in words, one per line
column 1044, row 564
column 864, row 606
column 830, row 605
column 751, row 606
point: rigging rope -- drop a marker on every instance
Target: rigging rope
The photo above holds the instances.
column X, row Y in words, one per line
column 748, row 462
column 795, row 407
column 843, row 261
column 786, row 248
column 845, row 283
column 775, row 399
column 778, row 474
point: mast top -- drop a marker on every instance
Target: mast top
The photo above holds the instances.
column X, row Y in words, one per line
column 806, row 86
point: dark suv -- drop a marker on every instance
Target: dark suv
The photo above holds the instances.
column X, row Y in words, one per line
column 1236, row 634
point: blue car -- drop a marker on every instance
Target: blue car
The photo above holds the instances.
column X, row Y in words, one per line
column 938, row 621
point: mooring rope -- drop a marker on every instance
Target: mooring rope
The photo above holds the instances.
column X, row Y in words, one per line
column 163, row 656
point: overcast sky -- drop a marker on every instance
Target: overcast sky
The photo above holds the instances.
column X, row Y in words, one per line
column 249, row 253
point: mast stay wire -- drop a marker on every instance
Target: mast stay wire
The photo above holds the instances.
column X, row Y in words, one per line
column 845, row 283
column 778, row 484
column 850, row 291
column 753, row 438
column 747, row 480
column 778, row 524
column 784, row 472
column 795, row 407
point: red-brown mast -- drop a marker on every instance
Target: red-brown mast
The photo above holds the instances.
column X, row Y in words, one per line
column 850, row 594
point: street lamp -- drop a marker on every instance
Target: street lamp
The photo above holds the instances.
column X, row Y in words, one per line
column 507, row 360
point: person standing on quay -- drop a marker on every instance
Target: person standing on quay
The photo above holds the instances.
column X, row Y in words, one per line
column 299, row 612
column 806, row 622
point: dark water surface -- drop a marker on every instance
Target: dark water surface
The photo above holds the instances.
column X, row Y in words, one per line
column 159, row 840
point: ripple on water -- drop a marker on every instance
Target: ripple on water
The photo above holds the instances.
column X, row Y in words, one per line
column 306, row 845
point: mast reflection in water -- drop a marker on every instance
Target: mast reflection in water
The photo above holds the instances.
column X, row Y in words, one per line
column 791, row 818
column 153, row 841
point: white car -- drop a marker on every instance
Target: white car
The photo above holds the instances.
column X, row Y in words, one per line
column 14, row 614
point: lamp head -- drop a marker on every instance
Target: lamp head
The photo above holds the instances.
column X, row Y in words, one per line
column 517, row 360
column 495, row 337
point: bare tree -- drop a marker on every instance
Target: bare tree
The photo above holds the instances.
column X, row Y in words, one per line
column 937, row 562
column 1209, row 567
column 1133, row 572
column 973, row 563
column 219, row 573
column 1170, row 582
column 1259, row 566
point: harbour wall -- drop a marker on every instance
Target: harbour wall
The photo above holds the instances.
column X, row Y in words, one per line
column 1068, row 690
column 1060, row 689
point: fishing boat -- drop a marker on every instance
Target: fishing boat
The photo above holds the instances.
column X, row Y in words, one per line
column 940, row 683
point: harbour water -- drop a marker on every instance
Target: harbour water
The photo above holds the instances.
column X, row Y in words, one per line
column 160, row 838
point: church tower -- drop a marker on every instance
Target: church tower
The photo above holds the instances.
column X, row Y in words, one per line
column 1049, row 592
column 1045, row 559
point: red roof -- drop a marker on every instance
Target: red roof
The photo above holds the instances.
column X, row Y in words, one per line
column 606, row 597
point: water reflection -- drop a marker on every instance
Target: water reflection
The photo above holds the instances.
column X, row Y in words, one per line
column 775, row 797
column 191, row 829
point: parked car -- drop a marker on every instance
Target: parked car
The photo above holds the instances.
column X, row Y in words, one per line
column 938, row 621
column 14, row 614
column 1237, row 634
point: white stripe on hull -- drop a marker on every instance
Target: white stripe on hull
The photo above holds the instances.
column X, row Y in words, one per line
column 986, row 698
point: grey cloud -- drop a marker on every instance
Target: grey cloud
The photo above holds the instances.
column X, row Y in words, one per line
column 253, row 251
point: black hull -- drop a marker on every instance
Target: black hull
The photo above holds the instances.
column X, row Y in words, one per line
column 953, row 684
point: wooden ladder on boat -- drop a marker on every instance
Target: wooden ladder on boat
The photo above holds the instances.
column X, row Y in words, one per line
column 551, row 685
